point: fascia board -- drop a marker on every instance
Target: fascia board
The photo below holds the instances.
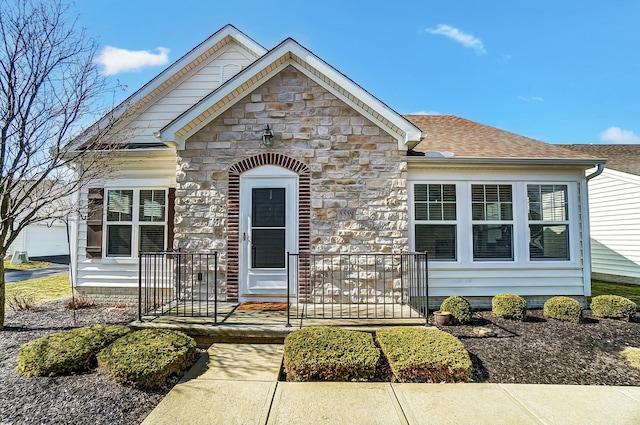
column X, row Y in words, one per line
column 416, row 160
column 355, row 96
column 413, row 133
column 621, row 175
column 219, row 36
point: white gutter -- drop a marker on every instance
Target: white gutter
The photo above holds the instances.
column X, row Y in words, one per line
column 478, row 160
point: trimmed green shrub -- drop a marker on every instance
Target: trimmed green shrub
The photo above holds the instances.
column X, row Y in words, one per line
column 424, row 355
column 563, row 308
column 330, row 353
column 146, row 359
column 613, row 306
column 67, row 352
column 460, row 309
column 509, row 306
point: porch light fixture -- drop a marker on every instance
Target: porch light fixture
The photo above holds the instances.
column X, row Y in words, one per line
column 267, row 137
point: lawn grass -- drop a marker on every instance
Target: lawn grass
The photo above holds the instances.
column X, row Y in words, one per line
column 24, row 266
column 632, row 354
column 41, row 289
column 629, row 291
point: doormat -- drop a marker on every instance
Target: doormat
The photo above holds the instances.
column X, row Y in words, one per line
column 262, row 306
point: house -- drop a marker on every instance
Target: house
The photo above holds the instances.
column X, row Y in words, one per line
column 44, row 239
column 614, row 211
column 253, row 153
column 47, row 234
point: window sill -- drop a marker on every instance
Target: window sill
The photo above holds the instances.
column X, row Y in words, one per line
column 492, row 264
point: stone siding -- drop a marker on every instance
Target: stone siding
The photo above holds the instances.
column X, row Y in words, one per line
column 358, row 174
column 109, row 295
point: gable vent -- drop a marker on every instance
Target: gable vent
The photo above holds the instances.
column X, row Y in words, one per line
column 229, row 71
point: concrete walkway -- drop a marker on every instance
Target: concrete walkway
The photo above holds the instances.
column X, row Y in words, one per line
column 237, row 384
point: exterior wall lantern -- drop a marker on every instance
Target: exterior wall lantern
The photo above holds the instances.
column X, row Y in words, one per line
column 267, row 137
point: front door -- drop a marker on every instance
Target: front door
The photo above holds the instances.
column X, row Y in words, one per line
column 268, row 217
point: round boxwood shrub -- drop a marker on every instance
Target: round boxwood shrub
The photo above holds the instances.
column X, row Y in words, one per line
column 563, row 308
column 330, row 353
column 146, row 358
column 459, row 308
column 613, row 307
column 509, row 306
column 67, row 352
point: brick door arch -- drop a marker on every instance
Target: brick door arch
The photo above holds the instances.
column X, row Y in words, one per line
column 233, row 226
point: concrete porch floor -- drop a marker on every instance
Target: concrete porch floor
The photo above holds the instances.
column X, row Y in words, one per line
column 235, row 325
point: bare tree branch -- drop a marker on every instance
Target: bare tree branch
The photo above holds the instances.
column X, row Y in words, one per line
column 50, row 88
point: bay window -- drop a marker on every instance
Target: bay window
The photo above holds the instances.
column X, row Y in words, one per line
column 509, row 222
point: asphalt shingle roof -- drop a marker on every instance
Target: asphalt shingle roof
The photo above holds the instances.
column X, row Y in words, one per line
column 624, row 158
column 469, row 139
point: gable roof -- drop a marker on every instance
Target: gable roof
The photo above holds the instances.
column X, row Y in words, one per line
column 174, row 73
column 625, row 158
column 470, row 140
column 290, row 53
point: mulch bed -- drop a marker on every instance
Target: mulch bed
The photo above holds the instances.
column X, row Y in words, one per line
column 547, row 351
column 537, row 351
column 262, row 306
column 78, row 399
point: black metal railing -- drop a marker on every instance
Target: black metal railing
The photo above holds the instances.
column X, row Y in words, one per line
column 358, row 286
column 178, row 284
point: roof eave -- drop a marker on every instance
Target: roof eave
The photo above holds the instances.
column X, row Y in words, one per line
column 586, row 162
column 407, row 134
column 166, row 74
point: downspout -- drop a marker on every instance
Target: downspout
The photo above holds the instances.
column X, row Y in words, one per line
column 599, row 170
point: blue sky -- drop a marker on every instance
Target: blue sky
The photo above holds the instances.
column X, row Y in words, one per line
column 562, row 71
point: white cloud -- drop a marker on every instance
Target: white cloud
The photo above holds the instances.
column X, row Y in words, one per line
column 117, row 60
column 467, row 40
column 616, row 135
column 423, row 112
column 528, row 99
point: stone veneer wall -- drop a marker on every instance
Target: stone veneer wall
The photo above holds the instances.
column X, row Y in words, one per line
column 358, row 175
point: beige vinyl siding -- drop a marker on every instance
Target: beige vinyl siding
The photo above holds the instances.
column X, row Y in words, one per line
column 522, row 276
column 522, row 281
column 155, row 171
column 187, row 92
column 614, row 211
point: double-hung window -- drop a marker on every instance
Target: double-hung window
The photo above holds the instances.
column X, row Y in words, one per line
column 492, row 221
column 436, row 220
column 135, row 219
column 548, row 222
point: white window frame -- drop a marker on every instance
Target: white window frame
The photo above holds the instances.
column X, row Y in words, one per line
column 566, row 222
column 135, row 222
column 520, row 222
column 487, row 222
column 438, row 222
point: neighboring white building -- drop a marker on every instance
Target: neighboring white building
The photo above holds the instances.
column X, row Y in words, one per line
column 42, row 240
column 614, row 210
column 497, row 212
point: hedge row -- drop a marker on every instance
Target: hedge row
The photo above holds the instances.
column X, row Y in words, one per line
column 514, row 307
column 142, row 359
column 414, row 355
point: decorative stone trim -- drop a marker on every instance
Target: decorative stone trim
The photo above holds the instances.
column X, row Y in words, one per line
column 233, row 226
